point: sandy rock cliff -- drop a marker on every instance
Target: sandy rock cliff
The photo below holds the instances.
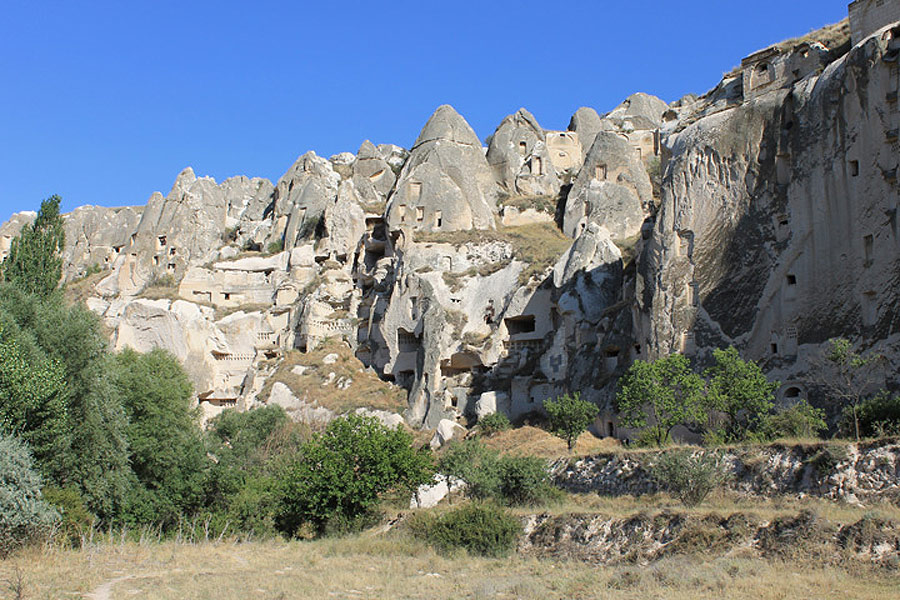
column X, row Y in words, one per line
column 483, row 280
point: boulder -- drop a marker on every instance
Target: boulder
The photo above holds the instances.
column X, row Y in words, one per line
column 446, row 430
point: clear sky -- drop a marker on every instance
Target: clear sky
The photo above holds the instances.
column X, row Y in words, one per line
column 103, row 102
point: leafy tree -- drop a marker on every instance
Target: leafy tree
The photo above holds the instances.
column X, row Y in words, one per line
column 33, row 405
column 246, row 448
column 166, row 450
column 660, row 395
column 24, row 516
column 850, row 377
column 47, row 331
column 570, row 416
column 739, row 389
column 34, row 264
column 341, row 473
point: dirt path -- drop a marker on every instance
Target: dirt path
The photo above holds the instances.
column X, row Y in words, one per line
column 104, row 592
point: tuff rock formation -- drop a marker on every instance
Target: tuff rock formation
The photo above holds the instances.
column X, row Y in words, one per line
column 490, row 280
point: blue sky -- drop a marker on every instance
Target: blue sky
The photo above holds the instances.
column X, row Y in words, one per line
column 104, row 102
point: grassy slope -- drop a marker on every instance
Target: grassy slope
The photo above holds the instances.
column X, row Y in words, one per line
column 397, row 566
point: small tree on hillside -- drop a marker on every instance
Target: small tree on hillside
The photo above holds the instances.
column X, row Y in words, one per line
column 570, row 416
column 340, row 475
column 657, row 396
column 34, row 263
column 739, row 389
column 850, row 377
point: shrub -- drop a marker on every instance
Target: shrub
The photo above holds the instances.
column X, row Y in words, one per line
column 24, row 516
column 342, row 473
column 474, row 463
column 570, row 416
column 523, row 480
column 482, row 529
column 799, row 421
column 75, row 519
column 493, row 423
column 688, row 475
column 512, row 480
column 275, row 247
column 878, row 416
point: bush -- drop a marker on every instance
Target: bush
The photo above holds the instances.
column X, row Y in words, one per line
column 342, row 473
column 482, row 529
column 476, row 464
column 570, row 416
column 75, row 519
column 688, row 475
column 275, row 247
column 878, row 416
column 523, row 480
column 512, row 480
column 493, row 423
column 799, row 421
column 24, row 516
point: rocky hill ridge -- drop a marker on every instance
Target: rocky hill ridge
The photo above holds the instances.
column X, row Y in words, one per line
column 761, row 215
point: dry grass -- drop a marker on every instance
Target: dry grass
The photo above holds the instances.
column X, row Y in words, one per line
column 834, row 37
column 544, row 203
column 79, row 290
column 318, row 386
column 396, row 566
column 532, row 441
column 721, row 503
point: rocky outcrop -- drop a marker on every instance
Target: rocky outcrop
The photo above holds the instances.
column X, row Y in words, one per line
column 446, row 184
column 520, row 158
column 611, row 190
column 777, row 226
column 854, row 473
column 445, row 272
column 645, row 538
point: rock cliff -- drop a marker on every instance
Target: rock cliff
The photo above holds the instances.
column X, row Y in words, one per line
column 491, row 279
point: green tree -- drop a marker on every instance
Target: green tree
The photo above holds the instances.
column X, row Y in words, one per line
column 24, row 516
column 246, row 449
column 167, row 455
column 48, row 331
column 34, row 264
column 657, row 396
column 33, row 406
column 570, row 416
column 342, row 473
column 850, row 377
column 739, row 389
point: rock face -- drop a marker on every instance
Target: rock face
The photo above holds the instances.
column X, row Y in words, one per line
column 520, row 158
column 777, row 228
column 476, row 281
column 446, row 184
column 612, row 189
column 851, row 473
